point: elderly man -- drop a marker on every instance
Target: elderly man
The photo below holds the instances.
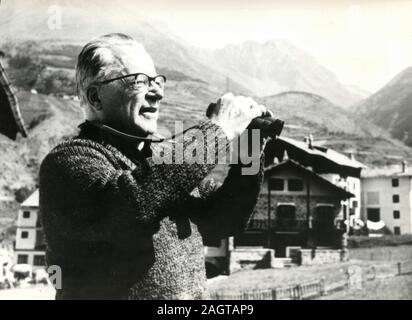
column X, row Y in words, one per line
column 120, row 225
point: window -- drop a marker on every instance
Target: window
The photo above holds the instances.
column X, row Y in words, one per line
column 295, row 185
column 395, row 182
column 374, row 214
column 396, row 214
column 276, row 184
column 285, row 217
column 39, row 260
column 22, row 258
column 286, row 211
column 26, row 214
column 323, row 219
column 372, row 197
column 397, row 230
column 24, row 234
column 345, row 211
column 324, row 210
column 395, row 198
column 354, row 204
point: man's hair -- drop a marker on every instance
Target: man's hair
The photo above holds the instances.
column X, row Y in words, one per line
column 98, row 60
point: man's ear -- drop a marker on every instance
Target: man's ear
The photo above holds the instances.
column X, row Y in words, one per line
column 93, row 97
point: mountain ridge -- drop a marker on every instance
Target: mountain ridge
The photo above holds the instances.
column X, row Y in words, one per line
column 287, row 67
column 391, row 106
column 276, row 66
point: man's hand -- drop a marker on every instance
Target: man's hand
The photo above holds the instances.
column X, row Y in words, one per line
column 233, row 114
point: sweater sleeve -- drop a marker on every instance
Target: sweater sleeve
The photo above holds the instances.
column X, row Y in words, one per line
column 147, row 190
column 226, row 211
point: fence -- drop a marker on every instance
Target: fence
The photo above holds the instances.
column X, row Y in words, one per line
column 385, row 253
column 314, row 289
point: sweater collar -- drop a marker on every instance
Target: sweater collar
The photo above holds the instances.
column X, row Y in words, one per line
column 130, row 145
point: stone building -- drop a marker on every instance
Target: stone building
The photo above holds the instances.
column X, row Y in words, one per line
column 310, row 195
column 296, row 207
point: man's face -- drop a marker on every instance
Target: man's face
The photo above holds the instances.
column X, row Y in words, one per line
column 131, row 110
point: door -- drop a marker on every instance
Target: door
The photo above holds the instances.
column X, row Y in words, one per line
column 323, row 225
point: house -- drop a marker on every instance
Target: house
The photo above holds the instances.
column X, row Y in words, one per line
column 387, row 198
column 296, row 207
column 337, row 168
column 30, row 244
column 310, row 197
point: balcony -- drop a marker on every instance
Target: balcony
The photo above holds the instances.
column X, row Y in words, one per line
column 281, row 225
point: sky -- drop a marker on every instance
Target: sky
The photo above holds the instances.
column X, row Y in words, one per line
column 365, row 43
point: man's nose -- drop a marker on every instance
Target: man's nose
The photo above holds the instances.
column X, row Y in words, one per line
column 154, row 92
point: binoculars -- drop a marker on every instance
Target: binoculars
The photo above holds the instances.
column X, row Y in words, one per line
column 268, row 126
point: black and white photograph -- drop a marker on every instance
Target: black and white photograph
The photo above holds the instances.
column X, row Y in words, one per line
column 206, row 150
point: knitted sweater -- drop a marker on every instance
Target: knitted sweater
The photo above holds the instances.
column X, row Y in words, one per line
column 121, row 226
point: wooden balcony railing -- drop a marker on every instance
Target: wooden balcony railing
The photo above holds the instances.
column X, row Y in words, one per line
column 279, row 225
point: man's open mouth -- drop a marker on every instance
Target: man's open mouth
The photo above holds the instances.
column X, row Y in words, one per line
column 147, row 110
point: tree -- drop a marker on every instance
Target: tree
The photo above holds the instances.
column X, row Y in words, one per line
column 22, row 194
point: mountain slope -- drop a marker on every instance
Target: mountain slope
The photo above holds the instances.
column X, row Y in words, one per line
column 50, row 120
column 305, row 114
column 277, row 66
column 391, row 107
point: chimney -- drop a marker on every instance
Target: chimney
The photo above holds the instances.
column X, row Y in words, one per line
column 310, row 141
column 352, row 156
column 404, row 166
column 285, row 156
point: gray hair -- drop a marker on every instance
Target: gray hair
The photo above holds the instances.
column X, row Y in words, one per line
column 98, row 60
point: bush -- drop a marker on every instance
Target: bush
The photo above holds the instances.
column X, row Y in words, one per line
column 21, row 61
column 22, row 194
column 24, row 71
column 387, row 240
column 56, row 82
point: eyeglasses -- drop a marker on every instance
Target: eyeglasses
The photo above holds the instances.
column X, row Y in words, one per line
column 141, row 80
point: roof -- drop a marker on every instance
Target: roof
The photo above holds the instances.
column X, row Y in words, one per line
column 320, row 159
column 389, row 171
column 32, row 200
column 11, row 120
column 305, row 171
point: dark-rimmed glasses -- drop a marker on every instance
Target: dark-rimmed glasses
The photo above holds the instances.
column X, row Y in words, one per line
column 141, row 80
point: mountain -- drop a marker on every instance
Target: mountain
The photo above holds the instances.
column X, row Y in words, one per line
column 81, row 21
column 250, row 68
column 334, row 127
column 276, row 66
column 197, row 77
column 50, row 120
column 391, row 107
column 357, row 91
